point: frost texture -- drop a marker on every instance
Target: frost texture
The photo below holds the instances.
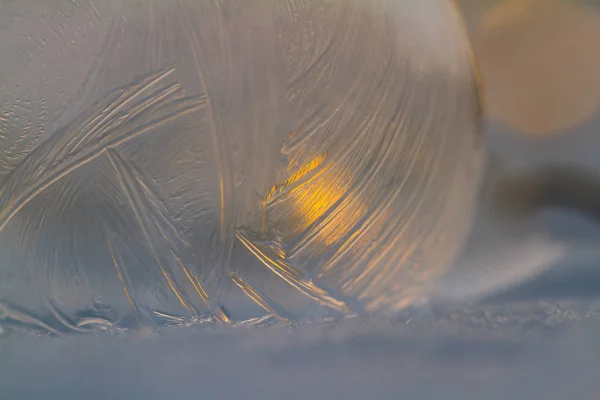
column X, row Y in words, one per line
column 226, row 158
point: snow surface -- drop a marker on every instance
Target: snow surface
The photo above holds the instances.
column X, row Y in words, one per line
column 535, row 351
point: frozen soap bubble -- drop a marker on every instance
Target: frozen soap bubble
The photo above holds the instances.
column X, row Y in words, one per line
column 162, row 161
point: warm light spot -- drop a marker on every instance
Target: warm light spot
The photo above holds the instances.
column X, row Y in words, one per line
column 324, row 203
column 539, row 60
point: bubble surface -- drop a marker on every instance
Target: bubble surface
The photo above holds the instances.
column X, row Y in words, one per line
column 162, row 161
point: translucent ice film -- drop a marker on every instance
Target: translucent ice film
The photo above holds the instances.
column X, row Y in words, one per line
column 230, row 159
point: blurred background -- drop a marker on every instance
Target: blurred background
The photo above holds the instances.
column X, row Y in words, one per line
column 538, row 63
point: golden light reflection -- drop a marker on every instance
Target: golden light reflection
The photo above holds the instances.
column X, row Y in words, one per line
column 321, row 202
column 318, row 201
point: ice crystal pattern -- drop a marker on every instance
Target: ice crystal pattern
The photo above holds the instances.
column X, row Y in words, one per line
column 229, row 158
